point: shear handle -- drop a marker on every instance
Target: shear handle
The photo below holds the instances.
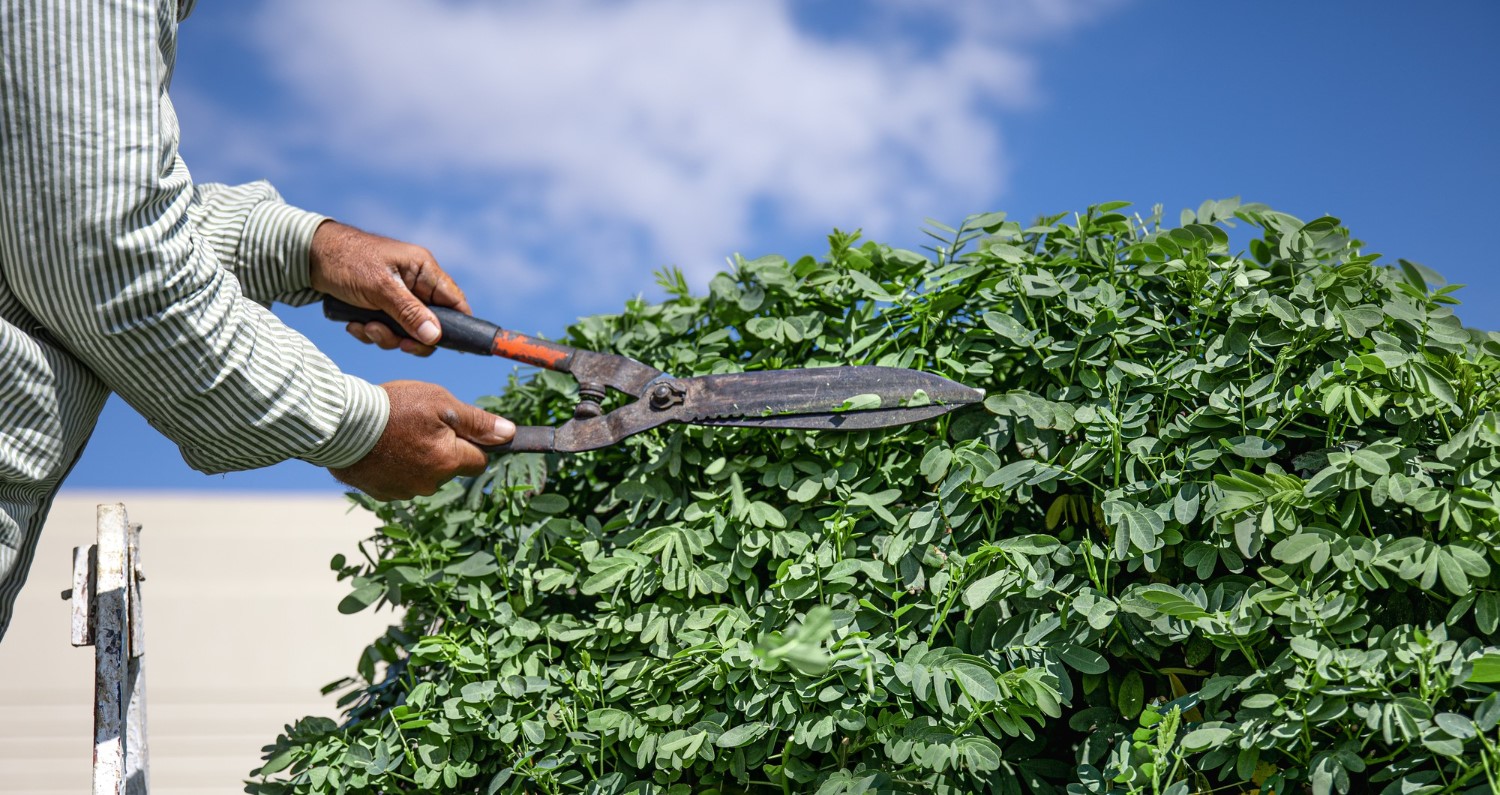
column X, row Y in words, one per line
column 465, row 334
column 528, row 439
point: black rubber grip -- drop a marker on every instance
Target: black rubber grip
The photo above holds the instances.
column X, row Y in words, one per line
column 460, row 331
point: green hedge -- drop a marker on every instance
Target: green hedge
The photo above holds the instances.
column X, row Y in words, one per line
column 1228, row 520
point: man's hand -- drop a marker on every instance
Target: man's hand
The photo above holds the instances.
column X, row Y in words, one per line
column 377, row 272
column 429, row 438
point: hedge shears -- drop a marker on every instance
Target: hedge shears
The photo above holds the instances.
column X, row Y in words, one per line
column 845, row 398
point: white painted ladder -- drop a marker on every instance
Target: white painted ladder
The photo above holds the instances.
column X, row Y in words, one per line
column 106, row 598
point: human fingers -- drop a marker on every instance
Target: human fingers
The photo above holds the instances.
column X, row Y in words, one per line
column 416, row 348
column 477, row 425
column 379, row 334
column 430, row 436
column 428, row 281
column 474, row 426
column 396, row 299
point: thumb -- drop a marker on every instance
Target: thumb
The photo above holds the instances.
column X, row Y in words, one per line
column 479, row 426
column 414, row 316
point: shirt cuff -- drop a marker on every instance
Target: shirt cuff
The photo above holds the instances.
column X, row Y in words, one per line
column 277, row 252
column 366, row 411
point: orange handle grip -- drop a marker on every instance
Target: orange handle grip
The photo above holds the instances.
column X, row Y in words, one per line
column 466, row 334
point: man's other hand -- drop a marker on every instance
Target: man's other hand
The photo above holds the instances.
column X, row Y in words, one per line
column 431, row 436
column 377, row 272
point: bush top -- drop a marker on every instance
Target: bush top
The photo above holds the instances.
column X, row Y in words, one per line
column 1228, row 515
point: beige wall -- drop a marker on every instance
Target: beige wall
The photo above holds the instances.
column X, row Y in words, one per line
column 242, row 630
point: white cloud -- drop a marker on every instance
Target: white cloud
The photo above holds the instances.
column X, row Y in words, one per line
column 631, row 134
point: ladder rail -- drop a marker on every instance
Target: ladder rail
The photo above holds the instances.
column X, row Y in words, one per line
column 106, row 614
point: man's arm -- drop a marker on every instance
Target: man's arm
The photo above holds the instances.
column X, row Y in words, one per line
column 282, row 253
column 258, row 237
column 97, row 241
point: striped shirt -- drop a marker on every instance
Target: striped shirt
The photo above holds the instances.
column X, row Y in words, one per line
column 118, row 274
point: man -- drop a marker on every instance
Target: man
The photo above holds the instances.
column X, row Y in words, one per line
column 118, row 274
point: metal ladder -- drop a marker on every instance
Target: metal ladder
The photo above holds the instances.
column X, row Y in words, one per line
column 106, row 600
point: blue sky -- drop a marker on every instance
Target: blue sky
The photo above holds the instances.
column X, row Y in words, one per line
column 553, row 155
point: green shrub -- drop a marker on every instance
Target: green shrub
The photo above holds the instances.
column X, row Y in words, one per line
column 1227, row 521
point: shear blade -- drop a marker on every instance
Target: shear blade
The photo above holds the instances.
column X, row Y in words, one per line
column 828, row 398
column 843, row 421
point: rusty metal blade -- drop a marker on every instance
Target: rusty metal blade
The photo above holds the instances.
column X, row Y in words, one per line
column 817, row 399
column 843, row 421
column 773, row 398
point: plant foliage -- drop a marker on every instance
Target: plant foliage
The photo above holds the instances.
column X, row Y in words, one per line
column 1228, row 520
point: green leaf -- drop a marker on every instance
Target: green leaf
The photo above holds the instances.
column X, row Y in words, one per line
column 1486, row 668
column 480, row 692
column 768, row 328
column 1186, row 503
column 1081, row 659
column 479, row 564
column 1249, row 447
column 739, row 505
column 500, row 779
column 1102, row 615
column 979, row 754
column 610, row 572
column 766, row 515
column 979, row 592
column 1298, row 548
column 548, row 503
column 1140, row 527
column 1443, row 746
column 1043, row 413
column 281, row 761
column 1205, row 739
column 977, row 683
column 805, row 490
column 1033, row 544
column 554, row 579
column 742, row 735
column 863, row 402
column 935, row 463
column 1371, row 462
column 1473, row 563
column 1487, row 611
column 362, row 597
column 1007, row 253
column 1010, row 328
column 1455, row 725
column 1259, row 701
column 1487, row 715
column 1359, row 321
column 1170, row 601
column 1451, row 573
column 1012, row 475
column 877, row 502
column 535, row 731
column 868, row 287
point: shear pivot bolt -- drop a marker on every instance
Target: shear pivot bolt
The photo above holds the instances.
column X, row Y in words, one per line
column 666, row 395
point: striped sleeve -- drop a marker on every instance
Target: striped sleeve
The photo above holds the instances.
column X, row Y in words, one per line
column 109, row 260
column 262, row 240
